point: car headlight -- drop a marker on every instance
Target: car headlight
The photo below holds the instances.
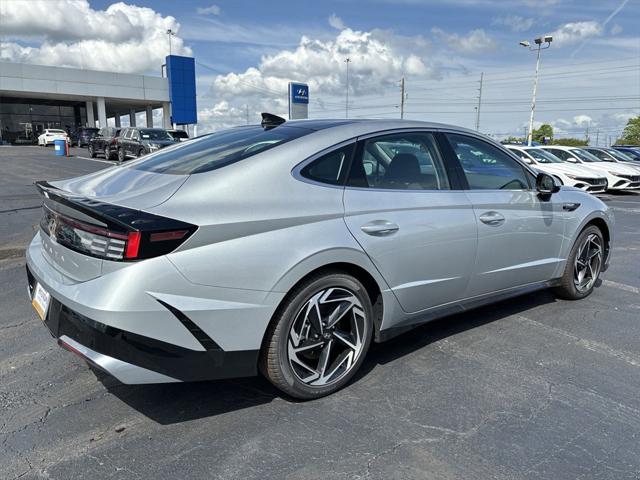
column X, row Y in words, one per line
column 571, row 176
column 615, row 173
column 153, row 146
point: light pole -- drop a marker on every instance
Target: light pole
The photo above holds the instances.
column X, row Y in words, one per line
column 540, row 41
column 346, row 105
column 170, row 33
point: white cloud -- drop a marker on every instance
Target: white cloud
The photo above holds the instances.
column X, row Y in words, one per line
column 575, row 32
column 336, row 22
column 616, row 29
column 475, row 41
column 582, row 120
column 515, row 23
column 212, row 10
column 123, row 38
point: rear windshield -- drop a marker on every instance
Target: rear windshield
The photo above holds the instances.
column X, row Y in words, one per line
column 179, row 134
column 217, row 150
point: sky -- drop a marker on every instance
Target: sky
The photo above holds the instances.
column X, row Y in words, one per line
column 246, row 53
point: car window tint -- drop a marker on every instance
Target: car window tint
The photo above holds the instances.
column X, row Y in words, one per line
column 331, row 167
column 486, row 166
column 217, row 149
column 403, row 161
column 560, row 153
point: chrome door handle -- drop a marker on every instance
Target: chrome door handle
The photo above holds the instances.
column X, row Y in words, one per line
column 379, row 228
column 492, row 219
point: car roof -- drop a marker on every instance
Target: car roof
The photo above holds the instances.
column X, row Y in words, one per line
column 560, row 147
column 373, row 123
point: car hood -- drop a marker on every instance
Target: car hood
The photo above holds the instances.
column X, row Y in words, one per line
column 569, row 169
column 612, row 167
column 164, row 143
column 125, row 186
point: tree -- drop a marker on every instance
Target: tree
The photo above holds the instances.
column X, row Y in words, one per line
column 631, row 133
column 571, row 142
column 545, row 131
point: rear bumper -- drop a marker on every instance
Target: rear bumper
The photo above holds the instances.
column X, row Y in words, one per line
column 134, row 358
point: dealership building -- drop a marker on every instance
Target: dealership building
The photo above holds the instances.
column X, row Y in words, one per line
column 35, row 97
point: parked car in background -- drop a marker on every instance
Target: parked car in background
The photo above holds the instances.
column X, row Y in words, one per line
column 178, row 135
column 50, row 135
column 612, row 155
column 134, row 142
column 105, row 142
column 631, row 151
column 83, row 135
column 619, row 176
column 288, row 249
column 583, row 178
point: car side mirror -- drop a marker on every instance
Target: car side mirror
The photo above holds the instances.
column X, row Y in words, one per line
column 545, row 184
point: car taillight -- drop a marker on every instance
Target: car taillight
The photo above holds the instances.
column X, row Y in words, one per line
column 105, row 243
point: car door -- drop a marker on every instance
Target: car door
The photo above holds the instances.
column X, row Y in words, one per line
column 134, row 143
column 411, row 218
column 98, row 140
column 520, row 234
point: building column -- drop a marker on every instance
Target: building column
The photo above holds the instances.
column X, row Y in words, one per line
column 102, row 113
column 166, row 115
column 91, row 120
column 149, row 116
column 117, row 119
column 132, row 117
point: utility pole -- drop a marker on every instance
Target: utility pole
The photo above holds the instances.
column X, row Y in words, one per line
column 402, row 98
column 346, row 104
column 479, row 103
column 597, row 137
column 247, row 112
column 546, row 40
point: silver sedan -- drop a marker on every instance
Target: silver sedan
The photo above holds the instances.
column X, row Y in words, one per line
column 286, row 248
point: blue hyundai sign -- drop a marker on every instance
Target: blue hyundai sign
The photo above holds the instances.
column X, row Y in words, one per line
column 299, row 93
column 181, row 73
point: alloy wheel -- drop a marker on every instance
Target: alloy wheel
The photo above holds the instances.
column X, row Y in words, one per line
column 326, row 337
column 587, row 263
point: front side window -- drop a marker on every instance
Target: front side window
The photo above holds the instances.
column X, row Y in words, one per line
column 522, row 155
column 561, row 154
column 486, row 166
column 543, row 156
column 331, row 167
column 403, row 161
column 584, row 155
column 601, row 155
column 217, row 150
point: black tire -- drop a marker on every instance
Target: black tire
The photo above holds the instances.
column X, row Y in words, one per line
column 121, row 155
column 92, row 152
column 141, row 152
column 568, row 289
column 274, row 358
column 107, row 153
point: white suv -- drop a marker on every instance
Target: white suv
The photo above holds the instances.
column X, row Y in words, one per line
column 572, row 175
column 619, row 176
column 50, row 135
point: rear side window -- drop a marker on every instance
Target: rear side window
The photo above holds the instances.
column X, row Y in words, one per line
column 217, row 150
column 486, row 166
column 331, row 167
column 560, row 153
column 402, row 161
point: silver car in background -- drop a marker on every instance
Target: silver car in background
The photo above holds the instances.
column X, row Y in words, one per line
column 287, row 248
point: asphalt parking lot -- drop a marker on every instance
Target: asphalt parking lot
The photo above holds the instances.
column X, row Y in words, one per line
column 532, row 388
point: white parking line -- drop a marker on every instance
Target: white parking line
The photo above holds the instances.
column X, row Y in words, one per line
column 621, row 286
column 96, row 160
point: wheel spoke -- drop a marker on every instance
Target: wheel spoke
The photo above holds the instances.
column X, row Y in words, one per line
column 587, row 263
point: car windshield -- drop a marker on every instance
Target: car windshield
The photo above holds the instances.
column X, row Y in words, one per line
column 217, row 150
column 541, row 156
column 154, row 134
column 56, row 131
column 584, row 155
